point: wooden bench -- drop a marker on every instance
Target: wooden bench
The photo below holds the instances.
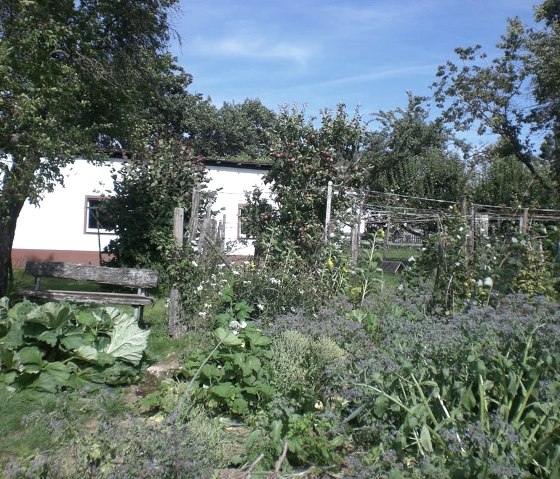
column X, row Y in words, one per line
column 139, row 279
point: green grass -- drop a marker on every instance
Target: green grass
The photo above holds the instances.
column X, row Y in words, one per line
column 397, row 253
column 17, row 437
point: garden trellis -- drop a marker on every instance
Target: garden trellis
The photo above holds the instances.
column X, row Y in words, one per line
column 408, row 220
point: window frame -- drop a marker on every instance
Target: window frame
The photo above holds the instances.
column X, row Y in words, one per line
column 87, row 229
column 240, row 234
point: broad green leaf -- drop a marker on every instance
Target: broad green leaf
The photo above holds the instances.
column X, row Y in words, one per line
column 104, row 359
column 240, row 405
column 267, row 391
column 73, row 341
column 227, row 337
column 89, row 353
column 224, row 390
column 45, row 383
column 276, row 430
column 49, row 337
column 31, row 359
column 426, row 439
column 8, row 378
column 468, row 400
column 254, row 363
column 128, row 341
column 60, row 372
column 14, row 338
column 380, row 406
column 253, row 438
column 257, row 339
column 51, row 315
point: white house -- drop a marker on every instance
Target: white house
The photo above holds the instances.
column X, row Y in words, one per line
column 64, row 226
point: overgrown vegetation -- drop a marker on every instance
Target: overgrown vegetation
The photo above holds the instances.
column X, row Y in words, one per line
column 307, row 360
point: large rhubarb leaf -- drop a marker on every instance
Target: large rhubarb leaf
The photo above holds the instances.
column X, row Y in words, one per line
column 128, row 341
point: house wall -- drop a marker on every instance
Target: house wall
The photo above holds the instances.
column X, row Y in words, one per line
column 56, row 229
column 232, row 182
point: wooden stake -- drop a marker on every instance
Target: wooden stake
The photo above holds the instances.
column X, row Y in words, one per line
column 328, row 212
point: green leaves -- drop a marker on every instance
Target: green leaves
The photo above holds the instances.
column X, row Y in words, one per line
column 233, row 378
column 55, row 346
column 128, row 341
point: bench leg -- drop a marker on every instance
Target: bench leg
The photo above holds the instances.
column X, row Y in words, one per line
column 139, row 315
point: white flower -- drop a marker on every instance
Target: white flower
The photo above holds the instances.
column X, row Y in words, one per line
column 461, row 229
column 489, row 245
column 235, row 272
column 199, row 287
column 205, row 386
column 488, row 282
column 260, row 306
column 423, row 249
column 514, row 240
column 319, row 405
column 411, row 259
column 479, row 283
column 274, row 281
column 235, row 333
column 301, row 291
column 202, row 314
column 194, row 263
column 457, row 264
column 458, row 236
column 243, row 324
column 234, row 324
column 400, row 287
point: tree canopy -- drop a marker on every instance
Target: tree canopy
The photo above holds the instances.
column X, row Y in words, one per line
column 515, row 95
column 78, row 79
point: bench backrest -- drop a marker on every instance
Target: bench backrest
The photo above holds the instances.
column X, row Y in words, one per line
column 131, row 277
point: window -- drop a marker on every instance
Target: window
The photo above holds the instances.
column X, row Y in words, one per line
column 97, row 218
column 242, row 227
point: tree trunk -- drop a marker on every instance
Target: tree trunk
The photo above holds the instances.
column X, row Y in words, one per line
column 16, row 183
column 7, row 232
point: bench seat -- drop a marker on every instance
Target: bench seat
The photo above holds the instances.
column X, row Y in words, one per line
column 87, row 297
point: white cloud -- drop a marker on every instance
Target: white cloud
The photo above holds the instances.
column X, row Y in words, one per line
column 253, row 46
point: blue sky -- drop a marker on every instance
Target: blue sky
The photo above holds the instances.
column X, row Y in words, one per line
column 321, row 52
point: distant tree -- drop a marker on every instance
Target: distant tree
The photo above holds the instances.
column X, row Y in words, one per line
column 412, row 155
column 233, row 131
column 501, row 180
column 77, row 78
column 514, row 95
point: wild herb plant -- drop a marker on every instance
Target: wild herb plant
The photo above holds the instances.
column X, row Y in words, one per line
column 466, row 395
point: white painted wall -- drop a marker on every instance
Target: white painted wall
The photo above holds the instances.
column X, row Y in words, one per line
column 58, row 223
column 232, row 183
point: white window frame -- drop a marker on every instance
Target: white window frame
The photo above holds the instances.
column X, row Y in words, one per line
column 87, row 212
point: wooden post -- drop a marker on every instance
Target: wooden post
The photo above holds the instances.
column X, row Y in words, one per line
column 356, row 230
column 387, row 238
column 525, row 224
column 473, row 231
column 328, row 211
column 193, row 223
column 175, row 326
